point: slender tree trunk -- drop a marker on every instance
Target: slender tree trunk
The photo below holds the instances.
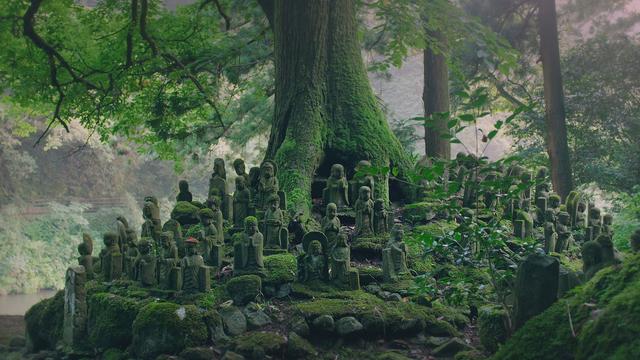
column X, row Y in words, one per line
column 436, row 100
column 325, row 110
column 556, row 134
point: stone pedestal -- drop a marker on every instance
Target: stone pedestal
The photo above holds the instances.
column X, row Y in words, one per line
column 536, row 287
column 112, row 267
column 204, row 278
column 354, row 279
column 74, row 331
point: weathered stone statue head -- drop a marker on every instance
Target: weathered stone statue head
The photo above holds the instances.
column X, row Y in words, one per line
column 564, row 218
column 332, row 211
column 191, row 246
column 337, row 171
column 239, row 167
column 251, row 225
column 595, row 219
column 241, row 183
column 582, row 207
column 378, row 204
column 206, row 216
column 341, row 240
column 542, row 173
column 166, row 239
column 397, row 234
column 83, row 249
column 214, row 203
column 144, row 246
column 132, row 237
column 273, row 202
column 183, row 185
column 554, row 201
column 315, row 248
column 254, row 176
column 364, row 193
column 110, row 239
column 607, row 220
column 218, row 168
column 88, row 241
column 268, row 169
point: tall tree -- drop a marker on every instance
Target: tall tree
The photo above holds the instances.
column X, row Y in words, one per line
column 556, row 132
column 325, row 109
column 436, row 100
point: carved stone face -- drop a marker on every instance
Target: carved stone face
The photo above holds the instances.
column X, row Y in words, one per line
column 268, row 171
column 337, row 171
column 252, row 228
column 365, row 193
column 582, row 207
column 398, row 235
column 274, row 205
column 564, row 218
column 166, row 239
column 379, row 204
column 239, row 167
column 218, row 166
column 144, row 247
column 315, row 248
column 332, row 210
column 240, row 183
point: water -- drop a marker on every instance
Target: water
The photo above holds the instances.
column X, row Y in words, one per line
column 18, row 304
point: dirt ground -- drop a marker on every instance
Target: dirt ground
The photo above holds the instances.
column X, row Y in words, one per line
column 11, row 326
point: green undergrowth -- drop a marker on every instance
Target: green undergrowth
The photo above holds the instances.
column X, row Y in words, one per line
column 604, row 314
column 280, row 268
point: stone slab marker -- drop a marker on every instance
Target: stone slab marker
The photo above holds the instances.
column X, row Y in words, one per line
column 75, row 308
column 536, row 286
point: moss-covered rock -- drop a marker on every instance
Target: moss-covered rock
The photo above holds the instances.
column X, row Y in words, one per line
column 606, row 329
column 44, row 323
column 167, row 328
column 110, row 320
column 492, row 327
column 258, row 345
column 280, row 269
column 299, row 348
column 419, row 213
column 185, row 213
column 244, row 289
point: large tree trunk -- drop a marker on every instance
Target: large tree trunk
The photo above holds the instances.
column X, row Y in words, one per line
column 556, row 133
column 325, row 110
column 436, row 100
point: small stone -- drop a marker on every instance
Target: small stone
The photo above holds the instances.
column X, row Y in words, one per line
column 394, row 297
column 372, row 288
column 244, row 289
column 269, row 290
column 299, row 326
column 435, row 341
column 234, row 321
column 347, row 326
column 256, row 318
column 283, row 291
column 451, row 347
column 324, row 323
column 299, row 348
column 199, row 353
column 384, row 295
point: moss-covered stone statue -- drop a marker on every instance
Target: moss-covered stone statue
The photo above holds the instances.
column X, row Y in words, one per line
column 313, row 264
column 248, row 249
column 110, row 257
column 195, row 274
column 268, row 184
column 563, row 228
column 184, row 194
column 241, row 169
column 168, row 261
column 122, row 225
column 360, row 181
column 209, row 243
column 218, row 185
column 594, row 224
column 241, row 203
column 85, row 250
column 218, row 218
column 607, row 225
column 394, row 256
column 364, row 212
column 174, row 226
column 151, row 227
column 340, row 269
column 145, row 264
column 550, row 237
column 131, row 254
column 331, row 224
column 380, row 218
column 542, row 188
column 337, row 189
column 274, row 224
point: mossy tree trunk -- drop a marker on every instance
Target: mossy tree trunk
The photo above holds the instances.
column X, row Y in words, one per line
column 325, row 109
column 436, row 100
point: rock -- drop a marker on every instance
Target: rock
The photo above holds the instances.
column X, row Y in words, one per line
column 299, row 326
column 492, row 327
column 394, row 297
column 260, row 345
column 384, row 294
column 44, row 323
column 372, row 288
column 234, row 320
column 347, row 326
column 244, row 289
column 230, row 355
column 256, row 318
column 110, row 320
column 299, row 348
column 17, row 342
column 283, row 291
column 199, row 353
column 167, row 328
column 536, row 287
column 215, row 326
column 450, row 348
column 435, row 341
column 324, row 323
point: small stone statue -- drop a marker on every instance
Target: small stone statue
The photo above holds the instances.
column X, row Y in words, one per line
column 380, row 218
column 581, row 215
column 85, row 250
column 268, row 184
column 218, row 218
column 394, row 257
column 607, row 225
column 248, row 248
column 184, row 194
column 167, row 261
column 594, row 224
column 131, row 253
column 542, row 189
column 122, row 225
column 218, row 183
column 151, row 215
column 550, row 237
column 240, row 169
column 254, row 182
column 340, row 260
column 331, row 225
column 367, row 180
column 208, row 236
column 110, row 257
column 241, row 202
column 337, row 190
column 145, row 264
column 313, row 262
column 364, row 212
column 191, row 266
column 554, row 203
column 273, row 222
column 565, row 237
column 591, row 258
column 174, row 226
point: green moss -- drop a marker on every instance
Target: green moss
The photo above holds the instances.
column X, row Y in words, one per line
column 469, row 355
column 492, row 327
column 280, row 268
column 244, row 289
column 416, row 213
column 114, row 354
column 167, row 328
column 257, row 345
column 185, row 213
column 110, row 320
column 194, row 230
column 435, row 228
column 613, row 293
column 44, row 322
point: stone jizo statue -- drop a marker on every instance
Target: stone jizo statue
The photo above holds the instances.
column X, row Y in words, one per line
column 191, row 266
column 337, row 189
column 131, row 254
column 565, row 236
column 240, row 169
column 364, row 212
column 248, row 249
column 273, row 223
column 86, row 259
column 268, row 184
column 331, row 225
column 380, row 218
column 110, row 257
column 340, row 260
column 394, row 257
column 241, row 202
column 146, row 264
column 184, row 194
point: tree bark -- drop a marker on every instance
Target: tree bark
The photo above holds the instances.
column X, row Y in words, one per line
column 556, row 134
column 436, row 100
column 325, row 110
